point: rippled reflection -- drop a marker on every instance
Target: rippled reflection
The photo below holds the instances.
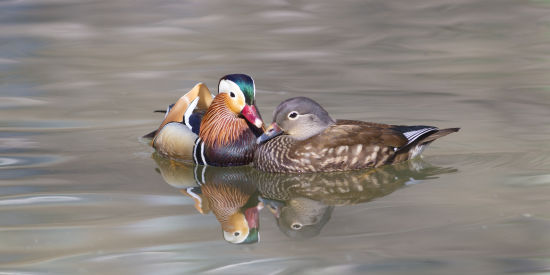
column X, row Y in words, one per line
column 229, row 193
column 302, row 204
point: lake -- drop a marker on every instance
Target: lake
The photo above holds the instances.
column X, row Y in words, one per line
column 82, row 192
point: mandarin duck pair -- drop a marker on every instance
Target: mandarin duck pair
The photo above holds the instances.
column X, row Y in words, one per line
column 227, row 130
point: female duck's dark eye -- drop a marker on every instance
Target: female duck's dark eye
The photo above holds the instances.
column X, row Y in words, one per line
column 296, row 226
column 231, row 94
column 292, row 115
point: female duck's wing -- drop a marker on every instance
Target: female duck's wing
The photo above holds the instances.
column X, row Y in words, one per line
column 346, row 146
column 417, row 134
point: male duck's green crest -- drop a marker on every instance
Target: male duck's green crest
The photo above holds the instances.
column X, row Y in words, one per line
column 242, row 92
column 243, row 82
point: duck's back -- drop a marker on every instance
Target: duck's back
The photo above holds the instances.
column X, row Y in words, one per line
column 346, row 145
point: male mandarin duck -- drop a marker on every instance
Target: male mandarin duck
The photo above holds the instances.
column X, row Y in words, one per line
column 304, row 138
column 221, row 131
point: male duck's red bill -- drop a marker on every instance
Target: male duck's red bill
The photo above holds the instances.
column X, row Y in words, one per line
column 249, row 112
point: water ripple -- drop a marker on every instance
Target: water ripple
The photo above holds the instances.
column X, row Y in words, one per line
column 13, row 102
column 24, row 166
column 39, row 200
column 7, row 161
column 27, row 161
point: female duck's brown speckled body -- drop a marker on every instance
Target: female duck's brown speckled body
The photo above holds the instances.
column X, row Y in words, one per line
column 304, row 138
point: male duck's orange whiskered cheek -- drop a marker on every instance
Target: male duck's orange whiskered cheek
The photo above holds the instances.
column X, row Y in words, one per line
column 249, row 112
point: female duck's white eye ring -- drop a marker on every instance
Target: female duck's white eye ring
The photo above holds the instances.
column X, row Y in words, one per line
column 293, row 115
column 296, row 226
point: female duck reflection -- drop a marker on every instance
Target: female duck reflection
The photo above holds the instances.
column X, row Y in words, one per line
column 302, row 204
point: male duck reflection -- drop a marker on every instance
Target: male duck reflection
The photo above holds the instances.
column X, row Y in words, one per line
column 232, row 198
column 221, row 131
column 303, row 203
column 226, row 192
column 304, row 138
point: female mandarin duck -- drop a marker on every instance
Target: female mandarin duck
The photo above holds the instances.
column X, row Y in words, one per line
column 221, row 131
column 304, row 138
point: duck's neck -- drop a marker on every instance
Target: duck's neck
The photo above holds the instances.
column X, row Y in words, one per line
column 221, row 126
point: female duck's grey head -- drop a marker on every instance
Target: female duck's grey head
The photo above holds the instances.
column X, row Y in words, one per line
column 298, row 117
column 303, row 218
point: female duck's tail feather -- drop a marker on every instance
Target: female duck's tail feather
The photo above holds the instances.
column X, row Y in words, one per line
column 437, row 134
column 415, row 147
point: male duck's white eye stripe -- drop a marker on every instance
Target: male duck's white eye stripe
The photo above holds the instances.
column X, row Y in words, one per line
column 227, row 86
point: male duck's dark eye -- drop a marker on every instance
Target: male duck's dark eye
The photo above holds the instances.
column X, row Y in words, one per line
column 236, row 234
column 292, row 115
column 231, row 94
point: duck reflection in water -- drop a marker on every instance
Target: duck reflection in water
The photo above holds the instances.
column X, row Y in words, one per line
column 302, row 204
column 226, row 192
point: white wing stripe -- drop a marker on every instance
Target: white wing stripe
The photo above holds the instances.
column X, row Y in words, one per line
column 168, row 108
column 189, row 111
column 413, row 135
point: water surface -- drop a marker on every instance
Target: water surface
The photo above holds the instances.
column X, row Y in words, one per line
column 81, row 193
